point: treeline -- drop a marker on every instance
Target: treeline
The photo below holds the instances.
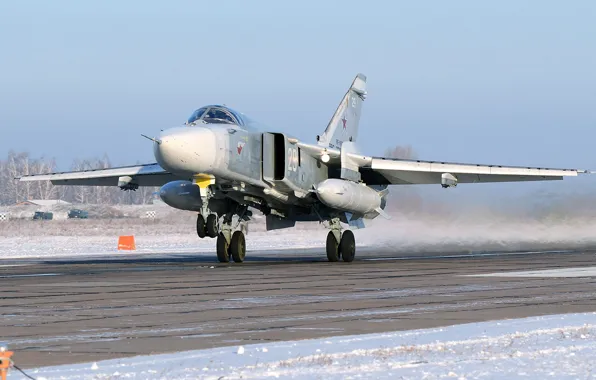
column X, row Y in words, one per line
column 20, row 164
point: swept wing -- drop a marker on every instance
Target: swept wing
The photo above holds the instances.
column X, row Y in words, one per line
column 139, row 175
column 384, row 170
column 398, row 171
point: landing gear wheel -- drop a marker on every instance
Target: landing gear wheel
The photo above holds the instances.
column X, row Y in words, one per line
column 238, row 246
column 332, row 247
column 201, row 229
column 347, row 246
column 223, row 248
column 212, row 227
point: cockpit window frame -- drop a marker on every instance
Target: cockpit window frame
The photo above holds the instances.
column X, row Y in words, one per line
column 197, row 118
column 223, row 110
column 234, row 116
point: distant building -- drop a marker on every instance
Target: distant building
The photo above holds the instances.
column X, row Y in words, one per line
column 42, row 202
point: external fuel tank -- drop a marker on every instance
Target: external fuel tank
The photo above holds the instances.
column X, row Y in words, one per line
column 348, row 196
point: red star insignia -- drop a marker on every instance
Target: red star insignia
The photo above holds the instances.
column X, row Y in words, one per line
column 344, row 121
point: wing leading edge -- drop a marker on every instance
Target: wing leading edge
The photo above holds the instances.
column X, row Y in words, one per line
column 140, row 175
column 398, row 171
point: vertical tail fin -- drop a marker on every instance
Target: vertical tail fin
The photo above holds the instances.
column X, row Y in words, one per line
column 344, row 123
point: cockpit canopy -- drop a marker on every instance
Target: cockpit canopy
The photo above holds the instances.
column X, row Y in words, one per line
column 217, row 114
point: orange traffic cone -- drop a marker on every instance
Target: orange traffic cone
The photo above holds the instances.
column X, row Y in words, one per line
column 126, row 243
column 4, row 363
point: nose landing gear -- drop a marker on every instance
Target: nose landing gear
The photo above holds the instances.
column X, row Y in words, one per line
column 201, row 228
column 212, row 226
column 208, row 227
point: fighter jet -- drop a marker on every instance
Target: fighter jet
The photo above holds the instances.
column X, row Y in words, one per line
column 223, row 166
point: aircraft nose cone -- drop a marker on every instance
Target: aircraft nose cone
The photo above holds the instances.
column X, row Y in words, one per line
column 186, row 150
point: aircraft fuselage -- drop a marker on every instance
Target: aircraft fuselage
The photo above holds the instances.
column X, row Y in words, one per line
column 244, row 164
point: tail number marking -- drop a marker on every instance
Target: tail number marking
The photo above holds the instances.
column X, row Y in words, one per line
column 292, row 159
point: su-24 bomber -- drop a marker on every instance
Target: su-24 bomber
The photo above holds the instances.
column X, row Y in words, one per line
column 221, row 165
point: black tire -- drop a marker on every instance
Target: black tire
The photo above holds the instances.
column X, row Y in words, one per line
column 212, row 226
column 332, row 248
column 238, row 246
column 223, row 249
column 347, row 246
column 201, row 229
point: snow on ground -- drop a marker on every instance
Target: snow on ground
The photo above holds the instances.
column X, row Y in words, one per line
column 550, row 347
column 404, row 234
column 544, row 273
column 66, row 246
column 172, row 233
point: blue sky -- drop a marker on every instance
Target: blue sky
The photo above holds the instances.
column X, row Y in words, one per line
column 507, row 82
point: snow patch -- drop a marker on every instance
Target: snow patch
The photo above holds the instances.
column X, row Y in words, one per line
column 548, row 273
column 558, row 346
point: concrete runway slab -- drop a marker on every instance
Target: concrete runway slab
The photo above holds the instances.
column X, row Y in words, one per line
column 73, row 310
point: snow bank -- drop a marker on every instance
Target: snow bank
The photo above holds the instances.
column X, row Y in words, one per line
column 557, row 347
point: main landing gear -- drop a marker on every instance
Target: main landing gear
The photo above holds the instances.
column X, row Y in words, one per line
column 231, row 241
column 234, row 246
column 340, row 245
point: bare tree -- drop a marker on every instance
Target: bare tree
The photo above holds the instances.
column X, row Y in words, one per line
column 401, row 151
column 18, row 164
column 45, row 189
column 80, row 194
column 5, row 182
column 105, row 194
column 99, row 194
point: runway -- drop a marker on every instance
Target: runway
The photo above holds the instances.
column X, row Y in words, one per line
column 73, row 310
